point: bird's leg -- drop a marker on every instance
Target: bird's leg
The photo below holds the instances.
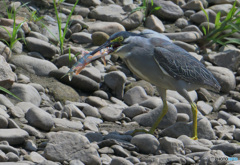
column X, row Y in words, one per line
column 194, row 111
column 163, row 113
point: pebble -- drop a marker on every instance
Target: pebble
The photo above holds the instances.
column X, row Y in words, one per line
column 133, row 111
column 152, row 22
column 13, row 136
column 148, row 119
column 146, row 143
column 38, row 118
column 172, row 146
column 135, row 95
column 75, row 143
column 116, row 82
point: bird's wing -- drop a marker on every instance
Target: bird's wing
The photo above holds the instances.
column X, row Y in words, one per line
column 182, row 66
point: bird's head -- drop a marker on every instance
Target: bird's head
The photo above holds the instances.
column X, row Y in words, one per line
column 115, row 41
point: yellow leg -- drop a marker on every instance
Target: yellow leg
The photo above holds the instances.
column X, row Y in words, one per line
column 194, row 111
column 164, row 111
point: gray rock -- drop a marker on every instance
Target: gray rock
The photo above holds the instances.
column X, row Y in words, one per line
column 116, row 81
column 184, row 36
column 200, row 17
column 213, row 157
column 12, row 157
column 102, row 94
column 63, row 60
column 94, row 136
column 92, row 73
column 17, row 47
column 25, row 106
column 168, row 10
column 91, row 111
column 182, row 117
column 114, row 13
column 106, row 27
column 227, row 58
column 16, row 112
column 172, row 146
column 223, row 8
column 81, row 38
column 33, row 65
column 78, row 81
column 164, row 159
column 181, row 23
column 224, row 76
column 36, row 157
column 146, row 143
column 148, row 119
column 73, row 111
column 197, row 148
column 192, row 28
column 134, row 111
column 236, row 134
column 44, row 48
column 66, row 146
column 96, row 101
column 151, row 102
column 13, row 136
column 120, row 161
column 7, row 77
column 120, row 151
column 5, row 51
column 91, row 3
column 26, row 93
column 180, row 98
column 38, row 36
column 135, row 95
column 110, row 113
column 3, row 157
column 30, row 145
column 5, row 101
column 187, row 140
column 3, row 33
column 3, row 122
column 233, row 120
column 204, row 108
column 76, row 162
column 193, row 5
column 233, row 105
column 224, row 115
column 32, row 131
column 98, row 38
column 51, row 32
column 90, row 125
column 227, row 148
column 106, row 150
column 204, row 129
column 152, row 22
column 66, row 124
column 39, row 118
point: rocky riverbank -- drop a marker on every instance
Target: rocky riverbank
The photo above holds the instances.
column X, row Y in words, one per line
column 89, row 120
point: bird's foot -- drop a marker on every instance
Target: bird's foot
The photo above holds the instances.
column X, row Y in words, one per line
column 194, row 138
column 141, row 130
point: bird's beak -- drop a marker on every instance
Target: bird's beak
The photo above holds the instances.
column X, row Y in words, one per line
column 99, row 52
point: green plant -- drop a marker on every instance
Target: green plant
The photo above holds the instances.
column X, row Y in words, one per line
column 59, row 22
column 223, row 30
column 144, row 8
column 13, row 35
column 34, row 17
column 10, row 93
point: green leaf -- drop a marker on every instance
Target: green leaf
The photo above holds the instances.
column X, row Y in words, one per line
column 204, row 30
column 217, row 20
column 233, row 41
column 10, row 93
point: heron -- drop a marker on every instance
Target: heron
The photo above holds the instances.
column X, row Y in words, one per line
column 156, row 59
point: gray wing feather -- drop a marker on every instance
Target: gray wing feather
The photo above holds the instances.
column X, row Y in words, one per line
column 182, row 66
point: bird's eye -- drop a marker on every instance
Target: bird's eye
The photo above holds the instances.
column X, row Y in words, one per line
column 118, row 39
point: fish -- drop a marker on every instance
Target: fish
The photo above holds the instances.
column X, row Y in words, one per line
column 85, row 60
